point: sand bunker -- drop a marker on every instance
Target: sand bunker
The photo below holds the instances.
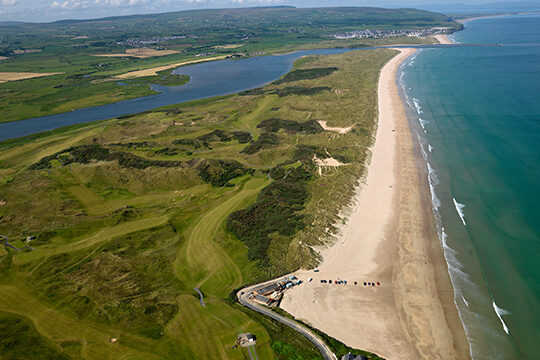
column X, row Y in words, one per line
column 328, row 162
column 335, row 129
column 341, row 91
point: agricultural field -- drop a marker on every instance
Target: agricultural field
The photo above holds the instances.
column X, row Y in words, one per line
column 88, row 55
column 126, row 217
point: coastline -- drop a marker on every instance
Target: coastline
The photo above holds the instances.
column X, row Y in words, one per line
column 390, row 237
column 443, row 39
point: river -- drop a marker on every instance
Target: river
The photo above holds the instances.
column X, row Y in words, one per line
column 207, row 80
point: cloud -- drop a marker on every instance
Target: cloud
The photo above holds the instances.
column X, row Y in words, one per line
column 85, row 4
column 9, row 2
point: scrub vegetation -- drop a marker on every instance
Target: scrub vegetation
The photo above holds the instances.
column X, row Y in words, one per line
column 87, row 55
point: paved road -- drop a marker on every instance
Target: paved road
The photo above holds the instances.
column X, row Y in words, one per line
column 254, row 351
column 317, row 341
column 7, row 244
column 200, row 295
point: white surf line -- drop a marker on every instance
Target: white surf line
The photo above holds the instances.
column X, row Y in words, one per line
column 500, row 312
column 459, row 209
column 465, row 301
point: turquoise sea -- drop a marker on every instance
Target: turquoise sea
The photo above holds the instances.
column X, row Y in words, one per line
column 476, row 114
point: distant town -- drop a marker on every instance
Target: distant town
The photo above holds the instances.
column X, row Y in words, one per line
column 381, row 34
column 157, row 40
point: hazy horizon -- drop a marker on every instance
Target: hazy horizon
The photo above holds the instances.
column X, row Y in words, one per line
column 53, row 10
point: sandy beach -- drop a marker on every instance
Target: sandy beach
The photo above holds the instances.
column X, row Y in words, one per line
column 443, row 39
column 390, row 238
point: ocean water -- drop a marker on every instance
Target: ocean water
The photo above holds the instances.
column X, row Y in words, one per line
column 476, row 114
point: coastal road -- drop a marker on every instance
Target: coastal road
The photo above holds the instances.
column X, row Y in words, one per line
column 242, row 296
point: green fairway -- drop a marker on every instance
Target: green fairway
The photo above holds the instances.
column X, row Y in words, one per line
column 202, row 261
column 89, row 241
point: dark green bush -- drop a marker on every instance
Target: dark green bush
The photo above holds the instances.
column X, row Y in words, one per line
column 307, row 74
column 275, row 211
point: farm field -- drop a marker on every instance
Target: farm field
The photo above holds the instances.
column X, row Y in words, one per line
column 128, row 216
column 13, row 76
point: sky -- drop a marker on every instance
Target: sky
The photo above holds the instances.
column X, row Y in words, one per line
column 52, row 10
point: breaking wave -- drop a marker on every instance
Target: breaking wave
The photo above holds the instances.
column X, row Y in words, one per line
column 417, row 106
column 459, row 209
column 500, row 312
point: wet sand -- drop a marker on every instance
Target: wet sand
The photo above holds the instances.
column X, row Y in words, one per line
column 390, row 238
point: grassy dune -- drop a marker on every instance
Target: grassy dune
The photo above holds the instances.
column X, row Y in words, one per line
column 130, row 215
